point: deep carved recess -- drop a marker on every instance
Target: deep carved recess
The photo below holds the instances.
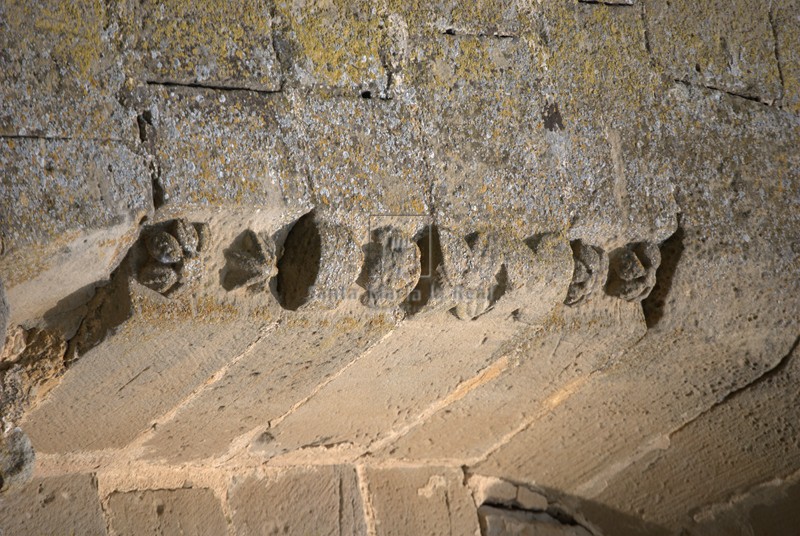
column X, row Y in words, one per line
column 589, row 275
column 251, row 261
column 320, row 261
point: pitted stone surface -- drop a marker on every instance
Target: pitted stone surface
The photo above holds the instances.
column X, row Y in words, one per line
column 193, row 512
column 56, row 505
column 421, row 501
column 533, row 163
column 93, row 195
column 724, row 45
column 280, row 504
column 60, row 71
column 208, row 45
column 199, row 166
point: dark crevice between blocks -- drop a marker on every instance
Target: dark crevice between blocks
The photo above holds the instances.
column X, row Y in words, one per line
column 299, row 265
column 429, row 281
column 671, row 253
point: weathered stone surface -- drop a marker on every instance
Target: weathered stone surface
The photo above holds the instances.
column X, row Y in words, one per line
column 725, row 45
column 499, row 522
column 546, row 370
column 209, row 44
column 224, row 149
column 92, row 195
column 338, row 413
column 56, row 505
column 60, row 71
column 336, row 45
column 786, row 23
column 602, row 113
column 470, row 99
column 141, row 371
column 16, row 459
column 717, row 348
column 427, row 500
column 365, row 161
column 703, row 466
column 31, row 364
column 4, row 315
column 767, row 509
column 658, row 138
column 324, row 500
column 742, row 155
column 193, row 512
column 471, row 17
column 280, row 370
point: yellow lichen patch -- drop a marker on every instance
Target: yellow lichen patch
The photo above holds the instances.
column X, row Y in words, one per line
column 338, row 40
column 184, row 308
column 210, row 42
column 76, row 26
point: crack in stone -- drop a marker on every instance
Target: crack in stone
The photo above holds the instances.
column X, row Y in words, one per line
column 609, row 3
column 213, row 87
column 777, row 51
column 767, row 374
column 452, row 32
column 57, row 138
column 725, row 91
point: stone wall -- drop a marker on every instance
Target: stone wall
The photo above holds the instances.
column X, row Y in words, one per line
column 324, row 266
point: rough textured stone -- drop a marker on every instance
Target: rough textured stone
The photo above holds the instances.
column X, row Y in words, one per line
column 95, row 194
column 4, row 316
column 717, row 348
column 193, row 512
column 498, row 522
column 280, row 370
column 760, row 417
column 56, row 505
column 338, row 414
column 599, row 112
column 786, row 23
column 223, row 149
column 471, row 17
column 207, row 45
column 420, row 501
column 365, row 161
column 325, row 500
column 60, row 71
column 16, row 460
column 767, row 509
column 336, row 45
column 32, row 363
column 519, row 166
column 543, row 372
column 145, row 356
column 725, row 45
